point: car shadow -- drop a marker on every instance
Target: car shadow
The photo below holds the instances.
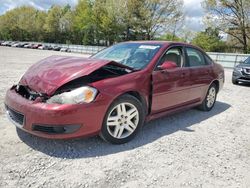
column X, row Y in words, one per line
column 94, row 147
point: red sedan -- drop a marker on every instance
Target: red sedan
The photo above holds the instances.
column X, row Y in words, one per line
column 113, row 92
column 36, row 46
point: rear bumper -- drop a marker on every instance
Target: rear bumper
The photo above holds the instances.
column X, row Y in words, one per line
column 85, row 118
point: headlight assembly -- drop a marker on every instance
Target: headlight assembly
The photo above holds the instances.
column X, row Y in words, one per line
column 84, row 94
column 239, row 69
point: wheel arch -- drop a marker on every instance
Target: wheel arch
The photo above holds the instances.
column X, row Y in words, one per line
column 140, row 97
column 217, row 84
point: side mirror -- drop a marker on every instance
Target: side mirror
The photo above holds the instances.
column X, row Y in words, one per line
column 167, row 65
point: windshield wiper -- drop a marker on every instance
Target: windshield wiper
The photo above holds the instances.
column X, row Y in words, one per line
column 123, row 67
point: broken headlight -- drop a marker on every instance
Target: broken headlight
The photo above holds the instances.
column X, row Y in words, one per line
column 84, row 94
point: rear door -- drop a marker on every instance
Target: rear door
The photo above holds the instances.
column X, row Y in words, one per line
column 201, row 74
column 170, row 87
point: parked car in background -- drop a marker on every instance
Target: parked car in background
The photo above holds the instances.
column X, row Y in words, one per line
column 45, row 47
column 10, row 44
column 57, row 48
column 5, row 43
column 36, row 46
column 113, row 92
column 16, row 44
column 29, row 45
column 42, row 47
column 65, row 49
column 50, row 47
column 241, row 72
column 23, row 44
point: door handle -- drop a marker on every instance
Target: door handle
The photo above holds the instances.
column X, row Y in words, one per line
column 164, row 71
column 183, row 75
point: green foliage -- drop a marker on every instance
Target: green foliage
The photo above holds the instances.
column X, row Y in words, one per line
column 233, row 18
column 171, row 37
column 209, row 40
column 91, row 22
column 20, row 24
column 108, row 21
column 146, row 18
column 82, row 22
column 57, row 24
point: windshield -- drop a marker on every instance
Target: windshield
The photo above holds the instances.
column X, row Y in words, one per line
column 247, row 61
column 135, row 55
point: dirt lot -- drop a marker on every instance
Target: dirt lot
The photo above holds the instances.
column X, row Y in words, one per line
column 189, row 149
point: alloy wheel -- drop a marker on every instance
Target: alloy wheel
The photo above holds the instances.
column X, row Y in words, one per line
column 211, row 97
column 122, row 120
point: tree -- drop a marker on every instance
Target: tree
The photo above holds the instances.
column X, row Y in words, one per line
column 232, row 17
column 171, row 37
column 58, row 24
column 108, row 20
column 93, row 22
column 65, row 24
column 83, row 22
column 148, row 17
column 209, row 40
column 22, row 23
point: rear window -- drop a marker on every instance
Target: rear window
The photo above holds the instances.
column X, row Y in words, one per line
column 195, row 57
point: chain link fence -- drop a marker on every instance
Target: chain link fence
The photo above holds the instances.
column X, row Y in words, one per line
column 78, row 48
column 227, row 60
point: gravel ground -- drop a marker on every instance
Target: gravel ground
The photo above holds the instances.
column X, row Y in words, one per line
column 188, row 149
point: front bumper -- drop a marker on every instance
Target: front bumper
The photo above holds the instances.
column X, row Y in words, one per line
column 241, row 76
column 80, row 120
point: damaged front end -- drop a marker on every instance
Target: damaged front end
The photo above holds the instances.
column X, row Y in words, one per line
column 29, row 94
column 36, row 104
column 76, row 91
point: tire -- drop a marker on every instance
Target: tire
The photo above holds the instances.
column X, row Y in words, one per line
column 235, row 82
column 123, row 120
column 210, row 99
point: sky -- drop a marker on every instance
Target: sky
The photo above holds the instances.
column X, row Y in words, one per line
column 192, row 9
column 194, row 13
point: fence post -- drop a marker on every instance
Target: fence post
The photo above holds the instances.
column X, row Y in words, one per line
column 236, row 58
column 216, row 59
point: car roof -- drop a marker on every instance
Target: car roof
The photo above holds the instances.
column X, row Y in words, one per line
column 160, row 42
column 165, row 43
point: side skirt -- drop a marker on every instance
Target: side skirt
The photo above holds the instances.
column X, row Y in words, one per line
column 171, row 111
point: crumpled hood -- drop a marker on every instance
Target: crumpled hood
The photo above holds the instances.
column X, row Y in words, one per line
column 49, row 74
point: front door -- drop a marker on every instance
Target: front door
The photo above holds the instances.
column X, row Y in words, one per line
column 170, row 87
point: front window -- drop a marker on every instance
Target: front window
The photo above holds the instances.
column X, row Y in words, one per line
column 175, row 55
column 135, row 55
